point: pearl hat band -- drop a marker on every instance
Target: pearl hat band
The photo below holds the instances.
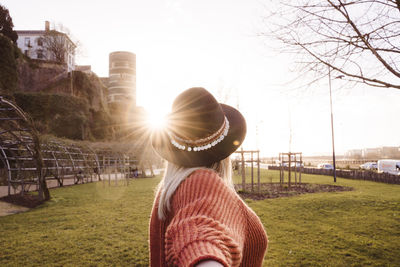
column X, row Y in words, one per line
column 193, row 145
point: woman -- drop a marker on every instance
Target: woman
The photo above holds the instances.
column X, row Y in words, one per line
column 197, row 217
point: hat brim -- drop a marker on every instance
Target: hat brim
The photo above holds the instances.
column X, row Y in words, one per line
column 237, row 131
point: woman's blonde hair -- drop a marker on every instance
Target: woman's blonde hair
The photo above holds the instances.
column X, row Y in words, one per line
column 174, row 175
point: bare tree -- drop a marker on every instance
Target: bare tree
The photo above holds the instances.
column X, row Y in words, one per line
column 59, row 44
column 359, row 39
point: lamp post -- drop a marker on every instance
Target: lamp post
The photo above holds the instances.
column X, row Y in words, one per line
column 333, row 136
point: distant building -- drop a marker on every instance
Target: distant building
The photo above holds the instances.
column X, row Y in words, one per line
column 374, row 153
column 121, row 82
column 391, row 152
column 31, row 43
column 354, row 153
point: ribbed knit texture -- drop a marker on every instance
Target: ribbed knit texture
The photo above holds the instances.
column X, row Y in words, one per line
column 207, row 221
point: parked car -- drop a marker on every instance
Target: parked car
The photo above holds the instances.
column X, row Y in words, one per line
column 325, row 166
column 293, row 164
column 297, row 164
column 369, row 166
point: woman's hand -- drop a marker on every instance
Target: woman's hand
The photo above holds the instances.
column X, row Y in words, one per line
column 209, row 263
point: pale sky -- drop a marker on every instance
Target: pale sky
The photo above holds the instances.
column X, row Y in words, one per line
column 184, row 43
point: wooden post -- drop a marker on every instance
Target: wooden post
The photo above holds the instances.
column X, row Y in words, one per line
column 283, row 170
column 295, row 169
column 124, row 169
column 103, row 167
column 252, row 176
column 280, row 169
column 128, row 170
column 301, row 167
column 258, row 171
column 109, row 171
column 289, row 166
column 116, row 170
column 243, row 172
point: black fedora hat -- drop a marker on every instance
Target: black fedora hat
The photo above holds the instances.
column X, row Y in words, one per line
column 199, row 130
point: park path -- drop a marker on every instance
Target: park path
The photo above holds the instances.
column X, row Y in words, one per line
column 54, row 184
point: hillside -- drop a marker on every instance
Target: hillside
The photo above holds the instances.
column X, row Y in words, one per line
column 69, row 105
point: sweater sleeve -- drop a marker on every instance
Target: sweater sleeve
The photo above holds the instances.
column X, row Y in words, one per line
column 207, row 223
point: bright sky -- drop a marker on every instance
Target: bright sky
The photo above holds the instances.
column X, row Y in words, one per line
column 184, row 43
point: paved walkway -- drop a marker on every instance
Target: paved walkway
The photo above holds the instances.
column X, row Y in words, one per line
column 54, row 183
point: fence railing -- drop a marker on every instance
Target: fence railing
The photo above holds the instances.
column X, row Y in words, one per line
column 351, row 174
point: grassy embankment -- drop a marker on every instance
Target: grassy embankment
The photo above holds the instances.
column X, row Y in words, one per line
column 93, row 224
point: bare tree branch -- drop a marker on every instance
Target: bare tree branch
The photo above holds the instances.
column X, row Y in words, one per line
column 357, row 38
column 372, row 82
column 59, row 44
column 363, row 37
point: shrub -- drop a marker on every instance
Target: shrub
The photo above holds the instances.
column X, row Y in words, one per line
column 100, row 124
column 61, row 115
column 65, row 116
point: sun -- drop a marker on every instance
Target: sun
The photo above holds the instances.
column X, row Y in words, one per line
column 156, row 119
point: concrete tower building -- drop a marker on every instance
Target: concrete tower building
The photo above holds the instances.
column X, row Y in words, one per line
column 122, row 79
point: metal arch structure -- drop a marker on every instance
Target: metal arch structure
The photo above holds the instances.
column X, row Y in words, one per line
column 116, row 164
column 78, row 163
column 27, row 160
column 20, row 151
column 69, row 161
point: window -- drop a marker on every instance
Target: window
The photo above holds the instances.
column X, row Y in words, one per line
column 39, row 41
column 27, row 41
column 117, row 64
column 40, row 54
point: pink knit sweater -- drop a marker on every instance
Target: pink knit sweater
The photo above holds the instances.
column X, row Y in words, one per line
column 208, row 221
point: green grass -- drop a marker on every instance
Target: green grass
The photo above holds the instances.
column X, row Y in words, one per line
column 82, row 225
column 356, row 228
column 96, row 225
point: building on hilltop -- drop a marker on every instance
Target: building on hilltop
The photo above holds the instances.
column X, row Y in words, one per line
column 121, row 81
column 48, row 45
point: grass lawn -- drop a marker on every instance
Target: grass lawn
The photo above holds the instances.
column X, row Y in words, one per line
column 93, row 224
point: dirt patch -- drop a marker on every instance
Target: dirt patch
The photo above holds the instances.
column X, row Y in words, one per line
column 275, row 190
column 26, row 200
column 8, row 209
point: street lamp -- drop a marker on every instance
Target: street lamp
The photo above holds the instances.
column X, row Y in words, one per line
column 333, row 136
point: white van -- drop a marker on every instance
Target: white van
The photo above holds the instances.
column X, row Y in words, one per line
column 391, row 166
